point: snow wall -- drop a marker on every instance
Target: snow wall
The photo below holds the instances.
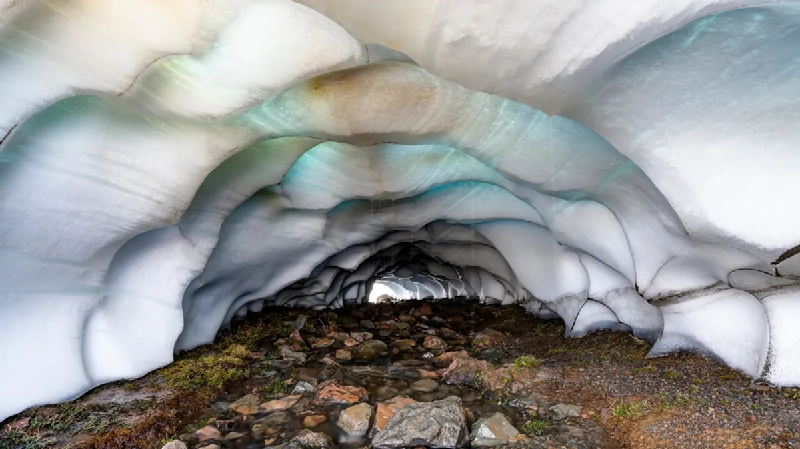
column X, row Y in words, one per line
column 169, row 165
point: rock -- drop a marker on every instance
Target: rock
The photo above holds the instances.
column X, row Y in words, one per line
column 386, row 392
column 234, row 436
column 330, row 392
column 350, row 342
column 437, row 424
column 208, row 433
column 492, row 431
column 361, row 337
column 354, row 421
column 367, row 324
column 466, row 371
column 221, row 406
column 279, row 404
column 385, row 411
column 450, row 334
column 314, row 420
column 407, row 319
column 307, row 439
column 490, row 339
column 371, row 349
column 175, row 445
column 18, row 425
column 423, row 310
column 564, row 411
column 428, row 356
column 344, row 354
column 211, row 446
column 425, row 374
column 247, row 405
column 425, row 385
column 294, row 356
column 403, row 326
column 304, row 387
column 432, row 342
column 295, row 335
column 323, row 342
column 447, row 358
column 300, row 322
column 404, row 345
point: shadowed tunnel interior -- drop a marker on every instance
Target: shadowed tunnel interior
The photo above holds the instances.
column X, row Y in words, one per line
column 171, row 166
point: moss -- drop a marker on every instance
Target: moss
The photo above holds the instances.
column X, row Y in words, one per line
column 628, row 410
column 210, row 370
column 526, row 362
column 671, row 374
column 274, row 388
column 644, row 370
column 536, row 426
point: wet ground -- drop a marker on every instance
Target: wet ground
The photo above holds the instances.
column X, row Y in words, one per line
column 284, row 371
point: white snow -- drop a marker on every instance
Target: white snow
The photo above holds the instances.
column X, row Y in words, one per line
column 167, row 167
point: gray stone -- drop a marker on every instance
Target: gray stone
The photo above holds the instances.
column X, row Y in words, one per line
column 300, row 322
column 288, row 354
column 564, row 411
column 354, row 421
column 307, row 439
column 425, row 385
column 234, row 436
column 175, row 445
column 367, row 324
column 303, row 387
column 435, row 424
column 492, row 431
column 371, row 349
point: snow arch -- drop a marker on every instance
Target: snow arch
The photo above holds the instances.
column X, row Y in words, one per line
column 619, row 167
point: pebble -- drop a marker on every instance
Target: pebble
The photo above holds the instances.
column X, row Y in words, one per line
column 314, row 420
column 175, row 445
column 425, row 385
column 208, row 433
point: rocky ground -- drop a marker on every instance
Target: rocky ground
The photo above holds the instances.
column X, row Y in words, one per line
column 444, row 374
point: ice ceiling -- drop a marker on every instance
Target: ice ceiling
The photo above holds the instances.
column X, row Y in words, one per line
column 169, row 165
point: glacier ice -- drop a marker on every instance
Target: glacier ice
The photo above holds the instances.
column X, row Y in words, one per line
column 167, row 167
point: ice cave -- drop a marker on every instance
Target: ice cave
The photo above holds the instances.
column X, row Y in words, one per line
column 170, row 165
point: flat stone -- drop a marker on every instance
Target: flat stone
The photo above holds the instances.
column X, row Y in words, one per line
column 304, row 387
column 175, row 445
column 425, row 386
column 344, row 354
column 385, row 410
column 330, row 392
column 492, row 431
column 434, row 424
column 372, row 348
column 564, row 411
column 291, row 355
column 323, row 342
column 367, row 324
column 354, row 421
column 208, row 433
column 278, row 405
column 432, row 342
column 234, row 436
column 404, row 345
column 361, row 337
column 246, row 405
column 350, row 342
column 314, row 420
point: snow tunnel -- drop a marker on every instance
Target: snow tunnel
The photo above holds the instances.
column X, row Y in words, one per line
column 167, row 166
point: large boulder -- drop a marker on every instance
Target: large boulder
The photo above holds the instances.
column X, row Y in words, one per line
column 434, row 424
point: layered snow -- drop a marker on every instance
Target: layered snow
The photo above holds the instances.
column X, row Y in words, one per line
column 167, row 167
